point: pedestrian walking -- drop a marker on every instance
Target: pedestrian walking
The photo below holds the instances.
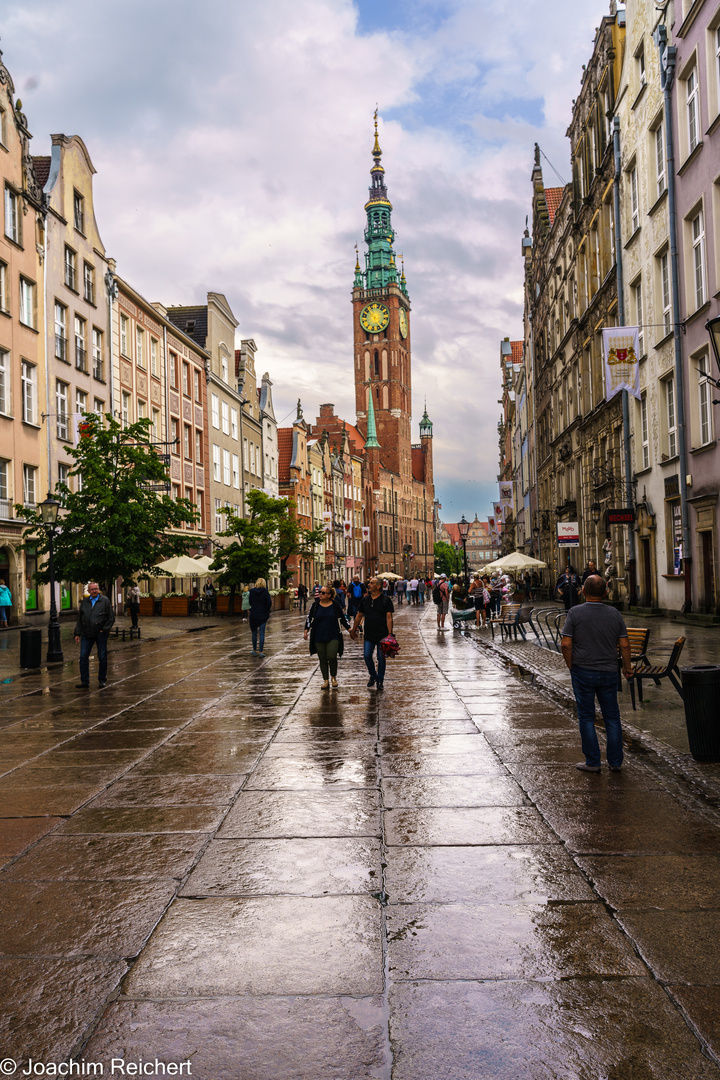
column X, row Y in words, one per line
column 591, row 636
column 340, row 593
column 245, row 604
column 496, row 588
column 133, row 605
column 260, row 605
column 400, row 590
column 478, row 592
column 324, row 627
column 302, row 595
column 376, row 615
column 316, row 590
column 590, row 570
column 421, row 591
column 412, row 590
column 441, row 599
column 568, row 585
column 210, row 597
column 356, row 592
column 94, row 622
column 5, row 604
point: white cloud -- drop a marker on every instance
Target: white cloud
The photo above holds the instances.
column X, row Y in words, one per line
column 232, row 143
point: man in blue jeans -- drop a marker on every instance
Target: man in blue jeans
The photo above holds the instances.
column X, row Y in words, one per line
column 375, row 611
column 590, row 639
column 94, row 622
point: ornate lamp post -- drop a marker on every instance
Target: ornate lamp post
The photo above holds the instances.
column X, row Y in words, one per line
column 49, row 511
column 463, row 530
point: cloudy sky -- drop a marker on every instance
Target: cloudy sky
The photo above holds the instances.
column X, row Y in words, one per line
column 232, row 145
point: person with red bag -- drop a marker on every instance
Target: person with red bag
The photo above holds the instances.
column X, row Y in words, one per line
column 375, row 612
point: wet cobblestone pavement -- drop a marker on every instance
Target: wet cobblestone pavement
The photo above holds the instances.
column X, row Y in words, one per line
column 215, row 861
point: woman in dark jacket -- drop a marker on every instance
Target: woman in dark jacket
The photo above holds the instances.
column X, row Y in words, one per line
column 323, row 623
column 260, row 604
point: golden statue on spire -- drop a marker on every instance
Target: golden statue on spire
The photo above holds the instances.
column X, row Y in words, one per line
column 377, row 152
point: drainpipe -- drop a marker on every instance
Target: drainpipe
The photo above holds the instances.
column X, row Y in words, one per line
column 45, row 226
column 668, row 55
column 630, row 494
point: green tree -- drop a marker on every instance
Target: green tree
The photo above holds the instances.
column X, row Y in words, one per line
column 116, row 523
column 267, row 536
column 447, row 558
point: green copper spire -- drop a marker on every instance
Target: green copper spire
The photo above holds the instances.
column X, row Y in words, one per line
column 426, row 424
column 358, row 282
column 371, row 442
column 380, row 269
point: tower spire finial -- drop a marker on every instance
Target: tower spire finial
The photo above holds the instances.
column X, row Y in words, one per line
column 371, row 443
column 376, row 152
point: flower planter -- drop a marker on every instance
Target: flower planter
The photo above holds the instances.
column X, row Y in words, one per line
column 147, row 607
column 222, row 604
column 174, row 606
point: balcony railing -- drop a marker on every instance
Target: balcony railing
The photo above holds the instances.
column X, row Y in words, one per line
column 80, row 358
column 60, row 347
column 70, row 277
column 89, row 291
column 6, row 509
column 97, row 368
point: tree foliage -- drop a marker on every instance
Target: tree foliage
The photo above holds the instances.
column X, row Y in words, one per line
column 448, row 559
column 113, row 525
column 268, row 536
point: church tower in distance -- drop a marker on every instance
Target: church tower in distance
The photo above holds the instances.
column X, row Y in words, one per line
column 381, row 331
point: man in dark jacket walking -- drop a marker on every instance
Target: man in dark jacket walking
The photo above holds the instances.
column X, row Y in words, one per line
column 95, row 619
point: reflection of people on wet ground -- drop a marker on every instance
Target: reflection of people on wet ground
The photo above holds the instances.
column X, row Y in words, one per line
column 590, row 639
column 323, row 626
column 375, row 612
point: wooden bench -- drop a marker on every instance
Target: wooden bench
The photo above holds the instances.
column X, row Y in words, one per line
column 638, row 638
column 513, row 618
column 656, row 672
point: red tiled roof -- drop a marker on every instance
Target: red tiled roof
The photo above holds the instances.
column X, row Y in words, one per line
column 42, row 169
column 452, row 530
column 553, row 198
column 355, row 437
column 285, row 444
column 517, row 351
column 418, row 464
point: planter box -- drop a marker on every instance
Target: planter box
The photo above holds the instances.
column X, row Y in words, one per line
column 280, row 602
column 174, row 606
column 222, row 604
column 147, row 607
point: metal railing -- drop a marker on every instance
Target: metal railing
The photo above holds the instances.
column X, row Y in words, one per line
column 97, row 368
column 90, row 290
column 80, row 358
column 60, row 347
column 70, row 277
column 6, row 509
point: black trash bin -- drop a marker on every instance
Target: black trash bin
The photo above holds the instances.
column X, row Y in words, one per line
column 701, row 691
column 30, row 648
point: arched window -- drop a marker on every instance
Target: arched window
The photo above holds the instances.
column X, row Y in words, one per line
column 377, row 363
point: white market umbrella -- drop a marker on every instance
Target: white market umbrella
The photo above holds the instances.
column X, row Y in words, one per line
column 389, row 577
column 204, row 562
column 516, row 561
column 181, row 566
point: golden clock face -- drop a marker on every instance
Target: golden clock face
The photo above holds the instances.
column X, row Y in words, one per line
column 374, row 318
column 403, row 323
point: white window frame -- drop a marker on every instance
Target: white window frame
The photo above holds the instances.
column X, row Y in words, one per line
column 215, row 411
column 692, row 106
column 61, row 408
column 80, row 401
column 60, row 331
column 699, row 264
column 639, row 316
column 236, row 471
column 5, row 383
column 140, row 346
column 27, row 302
column 665, row 292
column 224, row 368
column 97, row 337
column 671, row 415
column 227, row 478
column 225, row 417
column 634, row 204
column 28, row 382
column 705, row 392
column 80, row 328
column 644, row 431
column 660, row 163
column 29, row 485
column 234, row 423
column 12, row 215
column 70, row 268
column 125, row 408
column 198, row 446
column 218, row 517
column 153, row 356
column 98, row 407
column 216, row 463
column 89, row 283
column 124, row 335
column 156, row 423
column 4, row 299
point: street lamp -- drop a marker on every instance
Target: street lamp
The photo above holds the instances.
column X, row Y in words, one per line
column 596, row 512
column 49, row 512
column 464, row 529
column 713, row 328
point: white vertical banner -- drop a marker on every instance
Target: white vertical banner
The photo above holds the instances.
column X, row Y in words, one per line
column 366, row 534
column 621, row 352
column 327, row 520
column 347, row 525
column 506, row 493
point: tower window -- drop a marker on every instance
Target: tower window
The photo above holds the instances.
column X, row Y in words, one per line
column 377, row 363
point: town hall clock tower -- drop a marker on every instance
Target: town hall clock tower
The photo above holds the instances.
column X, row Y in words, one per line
column 381, row 331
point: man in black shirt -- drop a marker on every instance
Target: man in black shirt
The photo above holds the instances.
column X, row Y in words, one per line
column 375, row 611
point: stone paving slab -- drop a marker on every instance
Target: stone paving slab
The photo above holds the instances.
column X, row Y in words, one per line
column 347, row 885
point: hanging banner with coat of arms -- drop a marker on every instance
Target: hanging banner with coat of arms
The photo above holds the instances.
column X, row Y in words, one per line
column 327, row 520
column 366, row 534
column 347, row 525
column 621, row 353
column 506, row 493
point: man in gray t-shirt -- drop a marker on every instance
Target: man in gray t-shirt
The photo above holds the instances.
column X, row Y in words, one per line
column 591, row 636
